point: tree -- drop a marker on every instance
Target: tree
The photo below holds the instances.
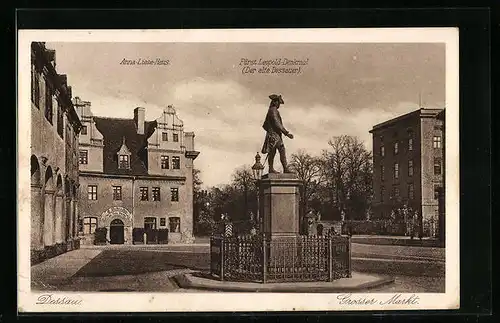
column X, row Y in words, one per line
column 309, row 171
column 199, row 200
column 197, row 182
column 244, row 186
column 347, row 168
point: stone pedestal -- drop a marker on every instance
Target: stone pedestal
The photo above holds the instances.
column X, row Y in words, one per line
column 279, row 200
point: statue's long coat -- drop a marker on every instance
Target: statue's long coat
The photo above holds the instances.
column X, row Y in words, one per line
column 274, row 130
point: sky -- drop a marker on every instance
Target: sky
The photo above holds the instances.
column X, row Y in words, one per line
column 342, row 89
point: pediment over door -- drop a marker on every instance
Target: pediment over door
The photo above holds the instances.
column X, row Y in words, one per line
column 116, row 212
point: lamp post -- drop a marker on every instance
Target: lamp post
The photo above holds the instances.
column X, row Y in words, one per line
column 257, row 169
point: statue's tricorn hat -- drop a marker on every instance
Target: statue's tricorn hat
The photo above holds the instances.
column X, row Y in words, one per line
column 274, row 97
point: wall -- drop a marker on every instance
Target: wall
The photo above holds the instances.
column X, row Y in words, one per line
column 131, row 201
column 411, row 122
column 53, row 161
column 45, row 140
column 170, row 124
column 431, row 127
column 163, row 208
column 92, row 141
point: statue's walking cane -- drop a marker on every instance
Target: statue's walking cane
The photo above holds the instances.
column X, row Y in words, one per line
column 265, row 159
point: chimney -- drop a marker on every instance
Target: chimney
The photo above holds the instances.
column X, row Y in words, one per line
column 64, row 80
column 51, row 56
column 139, row 120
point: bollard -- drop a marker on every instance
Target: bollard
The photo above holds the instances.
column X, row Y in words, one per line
column 264, row 259
column 222, row 259
column 330, row 260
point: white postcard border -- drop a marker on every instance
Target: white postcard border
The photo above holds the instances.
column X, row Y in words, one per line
column 186, row 302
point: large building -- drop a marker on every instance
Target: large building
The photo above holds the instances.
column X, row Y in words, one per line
column 135, row 174
column 54, row 163
column 408, row 167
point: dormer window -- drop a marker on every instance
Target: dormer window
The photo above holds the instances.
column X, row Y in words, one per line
column 123, row 162
column 123, row 156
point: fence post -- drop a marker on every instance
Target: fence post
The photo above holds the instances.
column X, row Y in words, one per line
column 349, row 260
column 222, row 265
column 330, row 260
column 264, row 259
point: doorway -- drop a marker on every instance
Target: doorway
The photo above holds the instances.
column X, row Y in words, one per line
column 116, row 232
column 150, row 230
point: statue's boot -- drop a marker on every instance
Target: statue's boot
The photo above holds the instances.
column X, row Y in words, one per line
column 284, row 162
column 271, row 164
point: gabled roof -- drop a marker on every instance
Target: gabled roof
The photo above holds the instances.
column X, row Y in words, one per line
column 113, row 131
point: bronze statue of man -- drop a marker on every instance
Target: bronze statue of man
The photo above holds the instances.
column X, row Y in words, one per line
column 274, row 129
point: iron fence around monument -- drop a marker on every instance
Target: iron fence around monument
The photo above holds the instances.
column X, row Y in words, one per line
column 285, row 259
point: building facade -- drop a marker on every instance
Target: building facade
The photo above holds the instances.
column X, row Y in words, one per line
column 54, row 164
column 408, row 167
column 135, row 174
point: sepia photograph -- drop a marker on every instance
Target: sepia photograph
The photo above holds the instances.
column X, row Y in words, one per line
column 252, row 169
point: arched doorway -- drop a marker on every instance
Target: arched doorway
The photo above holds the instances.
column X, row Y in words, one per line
column 116, row 232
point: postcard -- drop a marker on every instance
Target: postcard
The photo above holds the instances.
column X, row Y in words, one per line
column 238, row 170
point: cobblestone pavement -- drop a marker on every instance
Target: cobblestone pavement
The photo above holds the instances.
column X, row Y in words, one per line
column 151, row 268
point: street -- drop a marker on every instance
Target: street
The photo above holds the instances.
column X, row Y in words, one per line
column 150, row 268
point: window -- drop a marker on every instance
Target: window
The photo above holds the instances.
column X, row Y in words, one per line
column 410, row 168
column 35, row 87
column 437, row 190
column 117, row 193
column 92, row 192
column 144, row 193
column 89, row 225
column 176, row 162
column 437, row 166
column 436, row 142
column 382, row 151
column 164, row 136
column 382, row 173
column 150, row 223
column 123, row 162
column 163, row 222
column 175, row 137
column 175, row 194
column 396, row 170
column 174, row 224
column 395, row 192
column 410, row 144
column 60, row 120
column 155, row 193
column 411, row 191
column 84, row 130
column 48, row 102
column 396, row 148
column 164, row 162
column 382, row 193
column 84, row 157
